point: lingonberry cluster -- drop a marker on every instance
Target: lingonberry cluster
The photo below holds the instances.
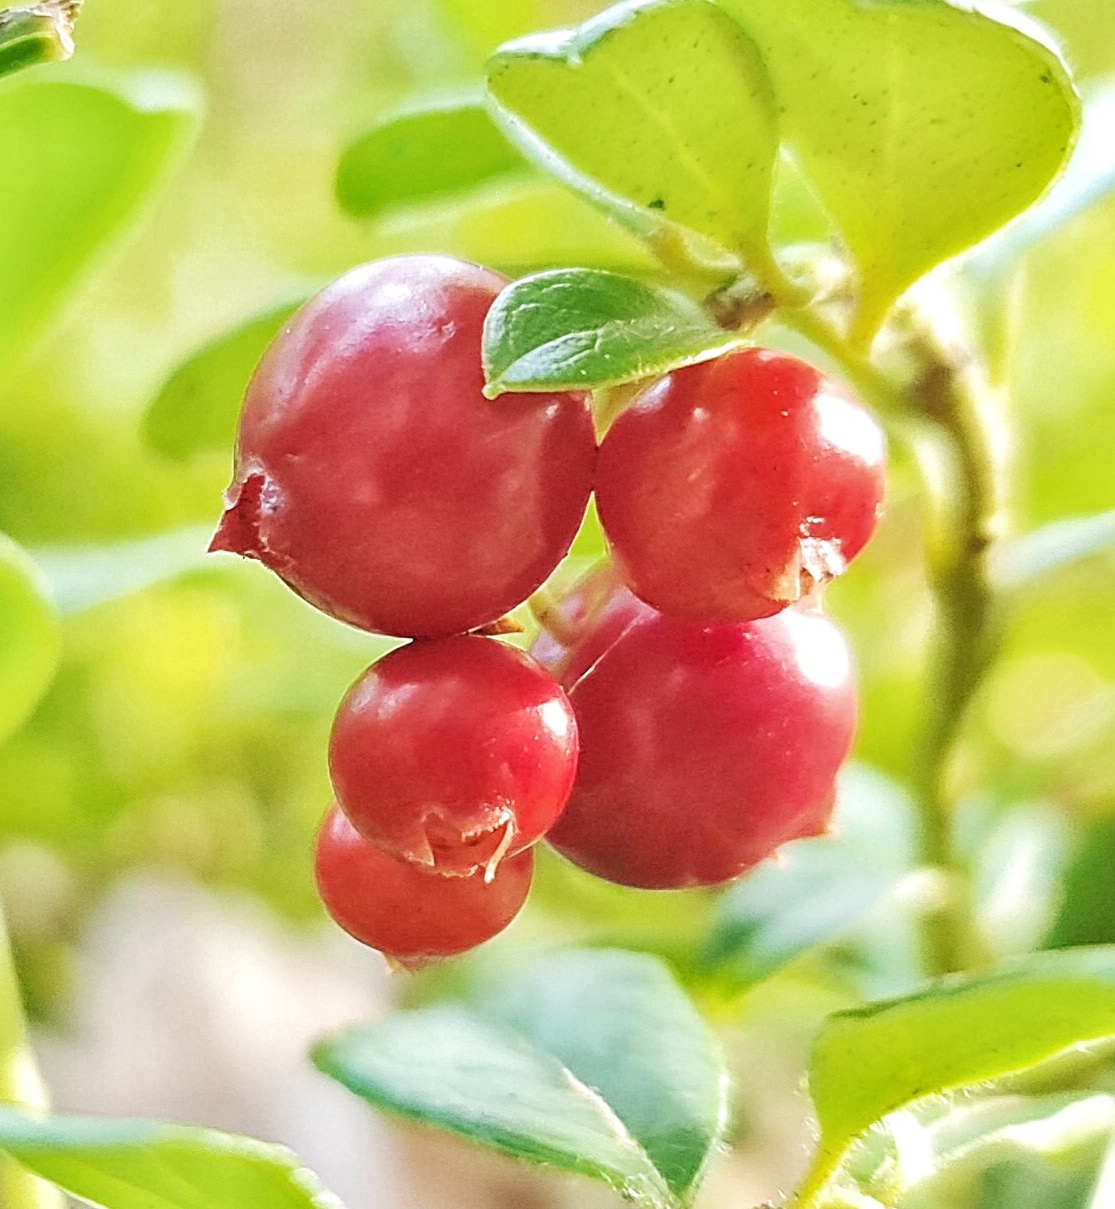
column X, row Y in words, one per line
column 685, row 707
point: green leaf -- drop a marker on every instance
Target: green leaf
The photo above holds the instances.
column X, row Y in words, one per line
column 1088, row 179
column 587, row 328
column 961, row 1031
column 82, row 577
column 816, row 890
column 198, row 407
column 77, row 161
column 423, row 153
column 606, row 1016
column 923, row 127
column 42, row 33
column 117, row 1164
column 1027, row 559
column 659, row 111
column 451, row 1069
column 1087, row 909
column 30, row 638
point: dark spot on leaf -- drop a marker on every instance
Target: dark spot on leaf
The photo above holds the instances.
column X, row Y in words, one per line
column 659, row 203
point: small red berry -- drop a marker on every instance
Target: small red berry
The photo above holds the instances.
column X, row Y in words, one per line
column 704, row 748
column 730, row 489
column 374, row 477
column 454, row 753
column 404, row 911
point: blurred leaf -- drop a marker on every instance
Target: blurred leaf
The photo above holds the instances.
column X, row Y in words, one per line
column 1087, row 909
column 923, row 127
column 659, row 112
column 1017, row 859
column 962, row 1031
column 587, row 328
column 517, row 225
column 30, row 638
column 1057, row 1142
column 622, row 1025
column 82, row 577
column 423, row 153
column 1026, row 559
column 448, row 1068
column 78, row 162
column 42, row 33
column 198, row 407
column 119, row 1164
column 815, row 890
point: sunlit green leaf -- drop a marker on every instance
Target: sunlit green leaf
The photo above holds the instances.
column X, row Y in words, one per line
column 450, row 1068
column 622, row 1025
column 1027, row 559
column 587, row 328
column 423, row 153
column 198, row 406
column 78, row 162
column 965, row 1030
column 29, row 637
column 657, row 111
column 115, row 1164
column 923, row 126
column 82, row 577
column 41, row 33
column 816, row 890
column 1087, row 180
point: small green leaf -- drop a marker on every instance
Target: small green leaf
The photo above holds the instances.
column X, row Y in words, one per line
column 77, row 162
column 962, row 1031
column 1027, row 559
column 622, row 1025
column 197, row 409
column 817, row 889
column 1087, row 908
column 30, row 638
column 449, row 1068
column 658, row 110
column 923, row 127
column 116, row 1164
column 420, row 154
column 42, row 33
column 587, row 328
column 82, row 577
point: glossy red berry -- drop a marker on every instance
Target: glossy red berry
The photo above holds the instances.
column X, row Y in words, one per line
column 704, row 748
column 454, row 753
column 403, row 910
column 728, row 490
column 374, row 477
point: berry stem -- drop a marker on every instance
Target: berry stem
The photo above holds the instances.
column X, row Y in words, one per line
column 20, row 1085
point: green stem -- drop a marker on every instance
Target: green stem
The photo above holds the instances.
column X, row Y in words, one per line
column 20, row 1085
column 952, row 394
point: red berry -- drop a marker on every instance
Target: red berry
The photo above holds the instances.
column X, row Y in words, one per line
column 704, row 748
column 374, row 477
column 728, row 490
column 454, row 753
column 404, row 911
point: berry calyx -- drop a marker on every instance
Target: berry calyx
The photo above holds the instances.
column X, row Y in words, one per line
column 374, row 477
column 731, row 489
column 454, row 753
column 705, row 748
column 407, row 913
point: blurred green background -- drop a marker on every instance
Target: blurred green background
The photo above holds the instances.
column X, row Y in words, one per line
column 185, row 729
